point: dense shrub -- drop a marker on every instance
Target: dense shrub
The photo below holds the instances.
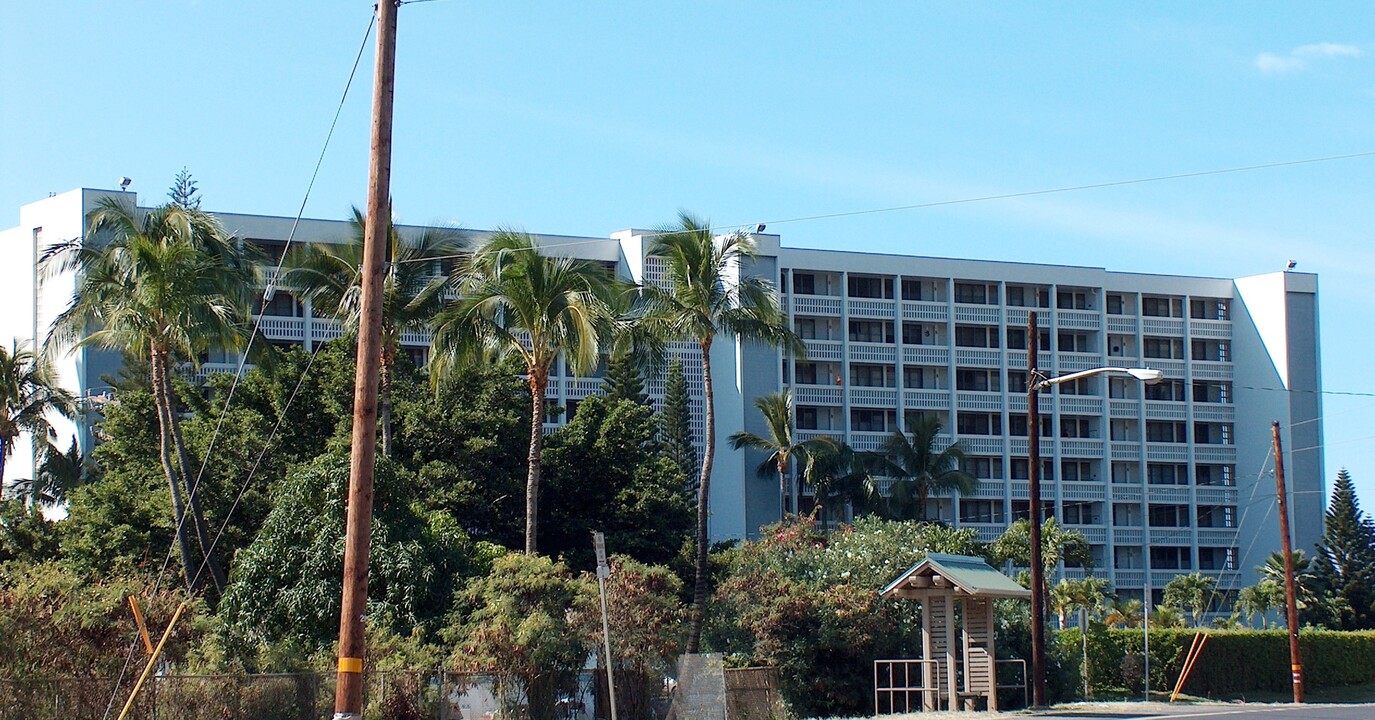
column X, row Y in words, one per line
column 1233, row 662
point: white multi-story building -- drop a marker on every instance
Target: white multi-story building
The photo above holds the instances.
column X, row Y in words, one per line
column 1161, row 479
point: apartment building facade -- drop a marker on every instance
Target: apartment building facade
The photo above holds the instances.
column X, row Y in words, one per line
column 1161, row 479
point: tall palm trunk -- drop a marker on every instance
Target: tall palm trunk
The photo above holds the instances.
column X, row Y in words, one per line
column 783, row 491
column 193, row 494
column 384, row 399
column 165, row 456
column 539, row 380
column 699, row 585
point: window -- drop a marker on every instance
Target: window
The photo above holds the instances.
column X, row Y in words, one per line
column 1212, row 392
column 1214, row 350
column 806, row 373
column 1170, row 558
column 1016, row 339
column 1163, row 348
column 1021, row 469
column 922, row 289
column 1123, row 430
column 976, row 336
column 1078, row 471
column 1116, row 304
column 1021, row 509
column 871, row 287
column 1215, row 475
column 1124, row 473
column 1162, row 307
column 1217, row 516
column 871, row 331
column 1082, row 386
column 866, row 420
column 1169, row 516
column 417, row 355
column 282, row 304
column 922, row 334
column 916, row 376
column 1075, row 342
column 976, row 293
column 1208, row 309
column 913, row 418
column 871, row 375
column 1028, row 296
column 1126, row 558
column 1213, row 433
column 1211, row 558
column 979, row 424
column 805, row 328
column 1076, row 427
column 807, row 418
column 1017, row 425
column 976, row 380
column 1016, row 381
column 804, row 283
column 1082, row 513
column 983, row 468
column 1165, row 390
column 1072, row 300
column 1167, row 474
column 1165, row 432
column 982, row 511
column 1126, row 515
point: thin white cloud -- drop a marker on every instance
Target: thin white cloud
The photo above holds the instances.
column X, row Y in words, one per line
column 1299, row 57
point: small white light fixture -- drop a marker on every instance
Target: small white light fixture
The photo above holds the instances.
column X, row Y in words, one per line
column 1150, row 376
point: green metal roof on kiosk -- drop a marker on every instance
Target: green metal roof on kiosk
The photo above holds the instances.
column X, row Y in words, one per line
column 963, row 574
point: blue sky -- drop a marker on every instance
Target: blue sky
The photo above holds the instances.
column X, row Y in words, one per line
column 586, row 118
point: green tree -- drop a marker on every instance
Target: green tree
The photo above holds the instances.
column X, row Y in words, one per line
column 514, row 301
column 168, row 285
column 708, row 292
column 330, row 276
column 1123, row 612
column 1191, row 594
column 675, row 427
column 518, row 625
column 838, row 475
column 780, row 442
column 1057, row 544
column 287, row 584
column 29, row 396
column 919, row 469
column 26, row 536
column 630, row 494
column 624, row 380
column 1255, row 601
column 1069, row 596
column 1345, row 559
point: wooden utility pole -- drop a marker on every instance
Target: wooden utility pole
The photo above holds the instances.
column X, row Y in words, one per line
column 1290, row 600
column 1033, row 446
column 348, row 696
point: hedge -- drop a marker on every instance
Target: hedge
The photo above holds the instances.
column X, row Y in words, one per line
column 1233, row 661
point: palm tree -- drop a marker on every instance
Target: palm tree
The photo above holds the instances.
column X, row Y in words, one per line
column 169, row 284
column 513, row 301
column 413, row 290
column 29, row 396
column 708, row 293
column 1190, row 593
column 1057, row 544
column 835, row 472
column 781, row 442
column 919, row 469
column 1255, row 601
column 1068, row 595
column 1124, row 613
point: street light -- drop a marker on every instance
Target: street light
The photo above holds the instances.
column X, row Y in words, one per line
column 1036, row 382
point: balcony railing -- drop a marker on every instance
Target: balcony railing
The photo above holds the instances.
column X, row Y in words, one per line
column 920, row 310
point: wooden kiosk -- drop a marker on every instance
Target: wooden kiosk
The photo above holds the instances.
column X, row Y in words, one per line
column 959, row 661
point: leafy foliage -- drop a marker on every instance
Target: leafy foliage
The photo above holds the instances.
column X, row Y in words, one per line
column 1057, row 544
column 516, row 624
column 29, row 394
column 623, row 380
column 1192, row 594
column 675, row 427
column 920, row 470
column 1345, row 561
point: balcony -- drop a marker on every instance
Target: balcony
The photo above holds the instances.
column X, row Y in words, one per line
column 1083, row 491
column 1171, row 536
column 1166, row 410
column 816, row 305
column 926, row 399
column 804, row 435
column 986, row 532
column 1215, row 412
column 1123, row 408
column 1128, row 578
column 989, row 401
column 325, row 329
column 274, row 327
column 1095, row 535
column 981, row 445
column 578, row 388
column 873, row 397
column 823, row 349
column 1020, row 490
column 865, row 308
column 1220, row 329
column 873, row 352
column 1080, row 405
column 1016, row 360
column 1019, row 446
column 983, row 314
column 1167, row 452
column 1171, row 368
column 1216, row 454
column 1122, row 325
column 1077, row 320
column 1076, row 361
column 926, row 355
column 865, row 441
column 1126, row 493
column 817, row 395
column 1212, row 370
column 921, row 310
column 1017, row 317
column 1162, row 326
column 1175, row 494
column 1126, row 451
column 1127, row 536
column 1217, row 537
column 976, row 357
column 1210, row 495
column 1081, row 448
